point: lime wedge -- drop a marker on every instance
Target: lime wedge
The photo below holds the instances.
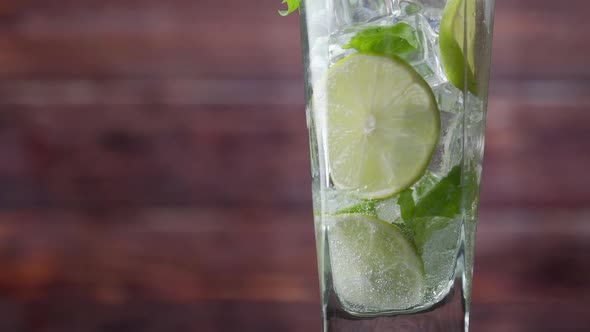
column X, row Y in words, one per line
column 382, row 125
column 375, row 267
column 452, row 40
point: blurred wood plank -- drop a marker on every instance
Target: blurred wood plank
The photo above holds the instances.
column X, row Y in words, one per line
column 531, row 255
column 534, row 40
column 147, row 39
column 154, row 92
column 154, row 316
column 504, row 93
column 154, row 39
column 154, row 156
column 175, row 255
column 9, row 8
column 142, row 154
column 536, row 150
column 258, row 253
column 244, row 316
column 545, row 317
column 154, row 269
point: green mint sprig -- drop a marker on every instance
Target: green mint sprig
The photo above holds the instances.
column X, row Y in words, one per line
column 292, row 5
column 443, row 200
column 393, row 40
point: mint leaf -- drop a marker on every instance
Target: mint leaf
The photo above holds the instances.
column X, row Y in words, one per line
column 434, row 209
column 444, row 200
column 406, row 204
column 292, row 5
column 424, row 228
column 412, row 8
column 425, row 185
column 388, row 41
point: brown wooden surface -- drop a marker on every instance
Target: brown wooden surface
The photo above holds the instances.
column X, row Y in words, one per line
column 154, row 172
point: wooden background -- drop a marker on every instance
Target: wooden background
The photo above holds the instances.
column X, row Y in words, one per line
column 154, row 169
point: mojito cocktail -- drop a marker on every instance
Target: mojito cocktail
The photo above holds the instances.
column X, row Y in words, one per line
column 397, row 93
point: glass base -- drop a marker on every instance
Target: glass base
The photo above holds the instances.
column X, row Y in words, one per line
column 449, row 315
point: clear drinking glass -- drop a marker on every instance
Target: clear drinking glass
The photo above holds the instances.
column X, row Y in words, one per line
column 396, row 100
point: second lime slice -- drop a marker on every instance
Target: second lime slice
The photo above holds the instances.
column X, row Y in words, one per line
column 381, row 125
column 459, row 17
column 375, row 267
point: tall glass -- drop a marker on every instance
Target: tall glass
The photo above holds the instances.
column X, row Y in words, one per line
column 396, row 101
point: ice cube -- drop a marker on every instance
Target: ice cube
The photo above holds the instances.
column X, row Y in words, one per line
column 455, row 127
column 388, row 210
column 449, row 151
column 352, row 16
column 317, row 19
column 452, row 142
column 424, row 185
column 474, row 109
column 410, row 7
column 449, row 98
column 338, row 200
column 474, row 129
column 351, row 12
column 337, row 41
column 439, row 253
column 318, row 31
column 318, row 59
column 427, row 60
column 470, row 227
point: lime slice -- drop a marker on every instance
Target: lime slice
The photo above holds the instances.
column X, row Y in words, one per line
column 382, row 125
column 452, row 41
column 375, row 267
